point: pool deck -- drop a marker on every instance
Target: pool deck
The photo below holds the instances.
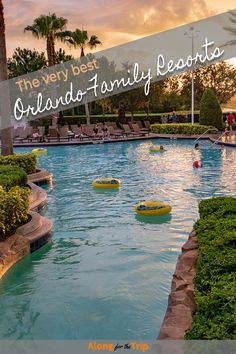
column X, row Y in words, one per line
column 230, row 141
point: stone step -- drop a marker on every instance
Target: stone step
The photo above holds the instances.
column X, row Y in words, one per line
column 45, row 229
column 40, row 176
column 40, row 237
column 37, row 231
column 32, row 226
column 37, row 197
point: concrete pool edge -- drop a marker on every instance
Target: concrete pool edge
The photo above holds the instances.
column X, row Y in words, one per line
column 28, row 237
column 212, row 138
column 181, row 304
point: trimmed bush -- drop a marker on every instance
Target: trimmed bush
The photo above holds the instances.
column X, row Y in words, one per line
column 215, row 280
column 185, row 129
column 210, row 110
column 11, row 176
column 26, row 161
column 14, row 209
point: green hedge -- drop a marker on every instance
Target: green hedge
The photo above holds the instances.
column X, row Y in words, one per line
column 14, row 209
column 26, row 161
column 210, row 110
column 185, row 129
column 215, row 280
column 69, row 120
column 11, row 176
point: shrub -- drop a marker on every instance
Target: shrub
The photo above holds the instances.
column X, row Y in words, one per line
column 185, row 129
column 214, row 205
column 210, row 110
column 215, row 280
column 14, row 206
column 11, row 176
column 25, row 161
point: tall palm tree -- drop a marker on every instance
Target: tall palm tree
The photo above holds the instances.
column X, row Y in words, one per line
column 80, row 39
column 6, row 138
column 48, row 27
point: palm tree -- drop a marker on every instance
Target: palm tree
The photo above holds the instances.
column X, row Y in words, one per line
column 48, row 27
column 6, row 138
column 80, row 39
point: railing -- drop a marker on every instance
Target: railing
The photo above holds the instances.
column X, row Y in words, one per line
column 205, row 133
column 221, row 136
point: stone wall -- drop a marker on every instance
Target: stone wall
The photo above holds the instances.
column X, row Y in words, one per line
column 11, row 251
column 15, row 247
column 181, row 305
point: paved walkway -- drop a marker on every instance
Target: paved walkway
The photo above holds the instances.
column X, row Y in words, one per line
column 226, row 141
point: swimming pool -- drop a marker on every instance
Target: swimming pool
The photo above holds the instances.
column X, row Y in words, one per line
column 107, row 274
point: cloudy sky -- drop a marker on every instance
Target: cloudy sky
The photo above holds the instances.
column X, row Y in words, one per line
column 113, row 21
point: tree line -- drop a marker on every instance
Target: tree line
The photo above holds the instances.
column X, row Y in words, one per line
column 165, row 96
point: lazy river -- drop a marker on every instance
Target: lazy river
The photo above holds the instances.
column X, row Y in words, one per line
column 107, row 273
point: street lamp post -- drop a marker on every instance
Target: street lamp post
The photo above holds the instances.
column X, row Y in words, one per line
column 191, row 33
column 192, row 96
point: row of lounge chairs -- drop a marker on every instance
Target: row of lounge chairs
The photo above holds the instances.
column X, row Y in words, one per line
column 82, row 132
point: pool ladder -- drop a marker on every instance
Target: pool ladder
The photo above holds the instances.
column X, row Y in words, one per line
column 221, row 136
column 205, row 133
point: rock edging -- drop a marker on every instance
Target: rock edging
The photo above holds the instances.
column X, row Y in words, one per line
column 181, row 304
column 13, row 249
column 29, row 236
column 40, row 176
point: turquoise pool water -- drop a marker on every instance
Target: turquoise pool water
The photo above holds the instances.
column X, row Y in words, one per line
column 107, row 274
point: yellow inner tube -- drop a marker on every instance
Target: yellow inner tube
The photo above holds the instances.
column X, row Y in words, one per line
column 108, row 182
column 39, row 151
column 149, row 208
column 155, row 149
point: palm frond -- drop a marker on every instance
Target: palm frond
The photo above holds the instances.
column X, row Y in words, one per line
column 34, row 30
column 94, row 41
column 233, row 42
column 47, row 25
column 231, row 30
column 64, row 36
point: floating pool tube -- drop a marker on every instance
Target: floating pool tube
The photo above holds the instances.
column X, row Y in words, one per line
column 106, row 182
column 156, row 149
column 39, row 151
column 150, row 208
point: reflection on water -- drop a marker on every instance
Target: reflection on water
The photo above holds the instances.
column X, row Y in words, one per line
column 108, row 266
column 153, row 219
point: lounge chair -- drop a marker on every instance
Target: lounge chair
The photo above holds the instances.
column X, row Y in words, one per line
column 115, row 127
column 79, row 132
column 37, row 134
column 64, row 134
column 147, row 125
column 53, row 134
column 88, row 130
column 74, row 127
column 23, row 133
column 114, row 133
column 128, row 131
column 136, row 129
